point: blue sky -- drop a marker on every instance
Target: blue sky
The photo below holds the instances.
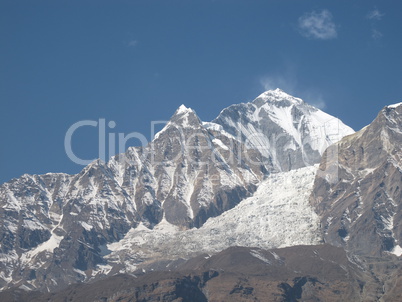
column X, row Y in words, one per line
column 133, row 62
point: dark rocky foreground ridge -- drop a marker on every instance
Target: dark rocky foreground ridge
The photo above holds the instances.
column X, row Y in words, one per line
column 302, row 273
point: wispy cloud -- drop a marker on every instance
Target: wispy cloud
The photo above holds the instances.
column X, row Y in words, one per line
column 287, row 84
column 376, row 34
column 314, row 97
column 318, row 25
column 133, row 43
column 375, row 15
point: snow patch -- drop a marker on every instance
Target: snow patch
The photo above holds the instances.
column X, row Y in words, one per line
column 86, row 226
column 218, row 142
column 397, row 250
column 395, row 105
column 102, row 269
column 48, row 246
column 258, row 255
column 275, row 256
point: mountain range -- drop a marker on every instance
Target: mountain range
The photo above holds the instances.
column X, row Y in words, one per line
column 274, row 200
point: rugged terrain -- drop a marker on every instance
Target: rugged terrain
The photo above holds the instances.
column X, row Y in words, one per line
column 59, row 229
column 274, row 200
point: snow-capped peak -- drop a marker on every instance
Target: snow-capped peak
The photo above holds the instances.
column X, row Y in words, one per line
column 278, row 95
column 186, row 117
column 183, row 109
column 395, row 105
column 283, row 128
column 183, row 117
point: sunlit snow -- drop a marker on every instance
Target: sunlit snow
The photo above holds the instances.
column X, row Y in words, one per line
column 277, row 215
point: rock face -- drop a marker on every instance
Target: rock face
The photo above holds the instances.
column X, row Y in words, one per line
column 303, row 273
column 187, row 174
column 55, row 228
column 358, row 190
column 55, row 223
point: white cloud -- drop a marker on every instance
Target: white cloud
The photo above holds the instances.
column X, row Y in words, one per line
column 318, row 25
column 133, row 43
column 375, row 15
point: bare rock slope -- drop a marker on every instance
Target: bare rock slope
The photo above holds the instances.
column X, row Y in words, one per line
column 358, row 189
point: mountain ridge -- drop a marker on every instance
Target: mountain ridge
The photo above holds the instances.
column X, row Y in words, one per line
column 365, row 197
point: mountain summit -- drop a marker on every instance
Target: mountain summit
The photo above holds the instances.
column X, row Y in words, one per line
column 278, row 96
column 186, row 117
column 285, row 129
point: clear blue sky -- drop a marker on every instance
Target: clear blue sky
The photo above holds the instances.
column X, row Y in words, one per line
column 136, row 61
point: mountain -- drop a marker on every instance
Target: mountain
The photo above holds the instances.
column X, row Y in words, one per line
column 59, row 229
column 357, row 192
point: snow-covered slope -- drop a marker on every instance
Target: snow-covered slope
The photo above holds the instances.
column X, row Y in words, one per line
column 277, row 215
column 288, row 132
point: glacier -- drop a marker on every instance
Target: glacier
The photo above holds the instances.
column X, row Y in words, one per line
column 277, row 215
